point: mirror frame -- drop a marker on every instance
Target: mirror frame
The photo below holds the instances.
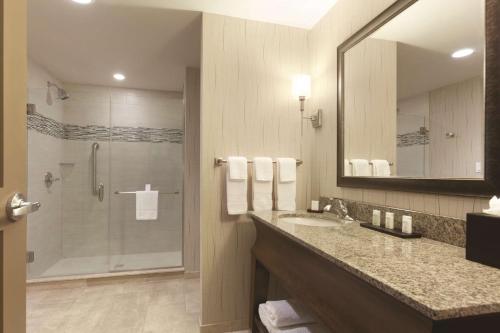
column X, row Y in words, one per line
column 482, row 187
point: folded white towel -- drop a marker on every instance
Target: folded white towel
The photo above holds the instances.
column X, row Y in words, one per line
column 288, row 169
column 302, row 328
column 146, row 204
column 237, row 167
column 381, row 168
column 262, row 184
column 361, row 168
column 286, row 183
column 286, row 313
column 236, row 185
column 347, row 168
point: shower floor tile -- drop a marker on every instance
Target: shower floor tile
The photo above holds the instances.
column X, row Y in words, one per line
column 115, row 263
column 159, row 304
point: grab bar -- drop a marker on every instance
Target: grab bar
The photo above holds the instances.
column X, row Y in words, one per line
column 96, row 189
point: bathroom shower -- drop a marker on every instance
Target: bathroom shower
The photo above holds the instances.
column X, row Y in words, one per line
column 61, row 93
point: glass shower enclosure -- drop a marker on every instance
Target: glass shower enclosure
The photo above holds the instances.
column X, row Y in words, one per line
column 102, row 145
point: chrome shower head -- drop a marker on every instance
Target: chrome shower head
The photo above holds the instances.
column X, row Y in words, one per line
column 61, row 93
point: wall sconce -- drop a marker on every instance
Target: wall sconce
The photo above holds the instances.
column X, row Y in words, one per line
column 301, row 89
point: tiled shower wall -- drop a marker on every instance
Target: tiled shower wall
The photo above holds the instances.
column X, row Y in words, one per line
column 145, row 146
column 44, row 154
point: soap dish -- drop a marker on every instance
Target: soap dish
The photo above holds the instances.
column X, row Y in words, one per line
column 309, row 210
column 392, row 232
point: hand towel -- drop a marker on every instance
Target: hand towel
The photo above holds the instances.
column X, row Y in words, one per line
column 347, row 168
column 236, row 185
column 381, row 168
column 146, row 204
column 286, row 313
column 237, row 167
column 262, row 184
column 286, row 183
column 361, row 168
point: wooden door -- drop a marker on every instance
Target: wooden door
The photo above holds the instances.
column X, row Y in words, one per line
column 13, row 166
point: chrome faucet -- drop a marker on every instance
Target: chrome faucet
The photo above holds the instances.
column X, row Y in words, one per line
column 338, row 208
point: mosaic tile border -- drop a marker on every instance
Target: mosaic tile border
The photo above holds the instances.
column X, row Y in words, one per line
column 413, row 139
column 48, row 126
column 443, row 229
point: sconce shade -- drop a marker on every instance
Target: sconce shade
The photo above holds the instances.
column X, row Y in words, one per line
column 301, row 86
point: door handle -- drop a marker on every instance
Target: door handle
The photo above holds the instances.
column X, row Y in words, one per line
column 17, row 207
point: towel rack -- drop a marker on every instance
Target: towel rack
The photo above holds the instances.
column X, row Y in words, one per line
column 134, row 192
column 220, row 161
column 390, row 163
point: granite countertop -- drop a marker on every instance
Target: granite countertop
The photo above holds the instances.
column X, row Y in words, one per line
column 432, row 277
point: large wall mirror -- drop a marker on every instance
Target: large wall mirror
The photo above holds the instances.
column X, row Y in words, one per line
column 417, row 93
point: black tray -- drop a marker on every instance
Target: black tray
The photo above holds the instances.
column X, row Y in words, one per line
column 309, row 210
column 393, row 232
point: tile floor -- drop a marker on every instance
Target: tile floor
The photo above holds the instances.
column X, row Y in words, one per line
column 161, row 304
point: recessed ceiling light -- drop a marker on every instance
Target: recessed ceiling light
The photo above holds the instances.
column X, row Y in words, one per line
column 119, row 77
column 462, row 53
column 83, row 2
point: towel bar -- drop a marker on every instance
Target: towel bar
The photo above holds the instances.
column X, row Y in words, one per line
column 134, row 192
column 220, row 161
column 390, row 163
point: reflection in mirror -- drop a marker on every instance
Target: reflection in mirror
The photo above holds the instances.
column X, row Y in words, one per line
column 414, row 94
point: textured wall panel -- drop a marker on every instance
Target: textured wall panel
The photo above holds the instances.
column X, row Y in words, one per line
column 248, row 110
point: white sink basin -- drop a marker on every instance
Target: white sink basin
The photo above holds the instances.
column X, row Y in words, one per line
column 309, row 221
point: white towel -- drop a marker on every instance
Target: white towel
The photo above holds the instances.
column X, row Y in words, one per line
column 236, row 185
column 381, row 168
column 286, row 313
column 262, row 184
column 347, row 168
column 146, row 204
column 286, row 183
column 361, row 168
column 237, row 167
column 301, row 328
column 287, row 169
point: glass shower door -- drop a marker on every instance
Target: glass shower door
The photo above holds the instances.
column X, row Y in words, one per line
column 146, row 148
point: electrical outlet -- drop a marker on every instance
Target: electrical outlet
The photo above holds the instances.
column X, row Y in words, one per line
column 478, row 167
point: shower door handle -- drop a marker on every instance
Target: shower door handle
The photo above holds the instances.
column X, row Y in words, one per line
column 95, row 188
column 17, row 207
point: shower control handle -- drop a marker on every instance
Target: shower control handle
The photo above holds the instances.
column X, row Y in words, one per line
column 17, row 207
column 100, row 192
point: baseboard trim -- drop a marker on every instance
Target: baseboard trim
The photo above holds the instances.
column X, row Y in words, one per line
column 223, row 327
column 192, row 275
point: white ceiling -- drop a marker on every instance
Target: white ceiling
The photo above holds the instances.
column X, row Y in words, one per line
column 428, row 32
column 150, row 41
column 296, row 13
column 87, row 44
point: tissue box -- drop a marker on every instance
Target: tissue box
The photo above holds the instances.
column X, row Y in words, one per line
column 483, row 239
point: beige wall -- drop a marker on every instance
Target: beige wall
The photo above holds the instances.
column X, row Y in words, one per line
column 371, row 100
column 345, row 18
column 457, row 108
column 248, row 110
column 192, row 170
